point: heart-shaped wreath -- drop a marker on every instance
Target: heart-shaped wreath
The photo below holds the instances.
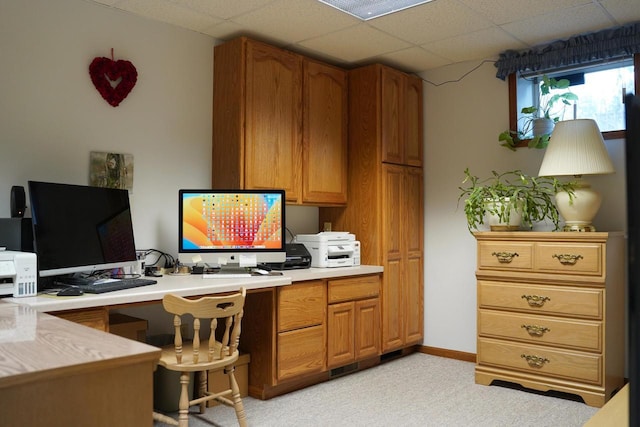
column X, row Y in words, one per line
column 113, row 79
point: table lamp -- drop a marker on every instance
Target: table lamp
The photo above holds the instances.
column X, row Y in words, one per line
column 577, row 148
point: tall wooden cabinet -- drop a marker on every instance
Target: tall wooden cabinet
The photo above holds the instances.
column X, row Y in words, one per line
column 551, row 311
column 279, row 121
column 385, row 209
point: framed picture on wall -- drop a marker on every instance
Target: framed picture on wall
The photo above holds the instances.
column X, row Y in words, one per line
column 112, row 170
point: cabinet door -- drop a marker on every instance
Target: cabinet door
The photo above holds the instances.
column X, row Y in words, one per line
column 367, row 328
column 391, row 110
column 412, row 206
column 402, row 284
column 412, row 127
column 392, row 278
column 324, row 158
column 340, row 333
column 273, row 119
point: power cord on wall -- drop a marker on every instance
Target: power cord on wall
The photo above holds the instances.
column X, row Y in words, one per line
column 492, row 61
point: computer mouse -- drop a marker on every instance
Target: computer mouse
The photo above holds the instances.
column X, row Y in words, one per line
column 70, row 292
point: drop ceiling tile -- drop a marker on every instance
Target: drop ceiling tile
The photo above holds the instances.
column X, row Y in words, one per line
column 412, row 60
column 481, row 44
column 225, row 30
column 431, row 21
column 224, row 9
column 295, row 20
column 164, row 11
column 505, row 11
column 624, row 11
column 355, row 43
column 557, row 26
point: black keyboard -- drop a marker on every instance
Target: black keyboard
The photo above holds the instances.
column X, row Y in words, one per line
column 100, row 287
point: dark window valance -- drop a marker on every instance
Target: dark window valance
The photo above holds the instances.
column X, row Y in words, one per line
column 583, row 49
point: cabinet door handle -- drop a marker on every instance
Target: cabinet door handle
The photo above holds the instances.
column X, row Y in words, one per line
column 567, row 259
column 535, row 330
column 505, row 257
column 536, row 300
column 535, row 361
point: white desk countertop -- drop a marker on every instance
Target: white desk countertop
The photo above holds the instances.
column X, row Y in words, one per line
column 186, row 285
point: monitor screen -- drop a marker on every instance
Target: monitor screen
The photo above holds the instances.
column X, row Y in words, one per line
column 232, row 227
column 80, row 229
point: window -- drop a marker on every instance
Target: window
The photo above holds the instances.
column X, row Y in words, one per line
column 600, row 90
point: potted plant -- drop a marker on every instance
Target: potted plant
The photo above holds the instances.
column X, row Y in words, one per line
column 536, row 122
column 518, row 195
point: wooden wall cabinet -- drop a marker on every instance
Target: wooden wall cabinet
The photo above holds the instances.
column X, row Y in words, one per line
column 385, row 209
column 551, row 311
column 401, row 117
column 353, row 320
column 279, row 121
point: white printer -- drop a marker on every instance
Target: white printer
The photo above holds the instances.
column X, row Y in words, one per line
column 331, row 248
column 18, row 273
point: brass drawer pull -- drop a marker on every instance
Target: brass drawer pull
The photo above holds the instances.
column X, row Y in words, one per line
column 535, row 361
column 505, row 257
column 535, row 330
column 567, row 259
column 536, row 300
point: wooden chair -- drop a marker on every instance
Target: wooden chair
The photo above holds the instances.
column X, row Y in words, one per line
column 225, row 314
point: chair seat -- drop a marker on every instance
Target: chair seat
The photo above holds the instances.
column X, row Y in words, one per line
column 168, row 359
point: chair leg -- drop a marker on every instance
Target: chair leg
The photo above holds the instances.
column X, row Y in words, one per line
column 202, row 387
column 183, row 405
column 235, row 397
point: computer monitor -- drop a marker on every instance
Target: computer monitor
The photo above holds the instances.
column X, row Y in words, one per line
column 231, row 228
column 80, row 229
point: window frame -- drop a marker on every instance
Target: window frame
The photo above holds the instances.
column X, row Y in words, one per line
column 513, row 103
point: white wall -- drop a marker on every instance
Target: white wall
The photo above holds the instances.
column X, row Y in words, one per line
column 51, row 118
column 462, row 122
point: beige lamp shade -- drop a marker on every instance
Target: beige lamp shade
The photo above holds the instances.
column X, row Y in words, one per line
column 577, row 148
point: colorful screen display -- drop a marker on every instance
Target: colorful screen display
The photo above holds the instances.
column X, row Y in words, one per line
column 231, row 220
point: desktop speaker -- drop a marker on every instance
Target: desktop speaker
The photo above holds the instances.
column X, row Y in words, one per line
column 18, row 202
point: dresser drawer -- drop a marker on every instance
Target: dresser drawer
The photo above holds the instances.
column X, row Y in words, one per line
column 505, row 255
column 301, row 305
column 354, row 288
column 570, row 365
column 566, row 258
column 576, row 334
column 556, row 300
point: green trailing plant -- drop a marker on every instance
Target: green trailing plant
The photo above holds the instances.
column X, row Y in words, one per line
column 533, row 196
column 550, row 95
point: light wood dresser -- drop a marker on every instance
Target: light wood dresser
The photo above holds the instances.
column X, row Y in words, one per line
column 551, row 311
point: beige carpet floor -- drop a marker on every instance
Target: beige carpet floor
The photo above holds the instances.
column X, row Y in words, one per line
column 415, row 390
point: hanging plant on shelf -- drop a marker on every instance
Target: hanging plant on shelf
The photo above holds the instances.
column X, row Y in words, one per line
column 113, row 79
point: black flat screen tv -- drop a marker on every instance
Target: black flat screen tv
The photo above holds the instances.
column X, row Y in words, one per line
column 80, row 229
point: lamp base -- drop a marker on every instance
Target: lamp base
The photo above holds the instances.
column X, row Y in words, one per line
column 578, row 210
column 579, row 227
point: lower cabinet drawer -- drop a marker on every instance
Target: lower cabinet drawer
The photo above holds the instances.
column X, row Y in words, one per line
column 576, row 334
column 554, row 300
column 301, row 351
column 302, row 304
column 353, row 288
column 566, row 364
